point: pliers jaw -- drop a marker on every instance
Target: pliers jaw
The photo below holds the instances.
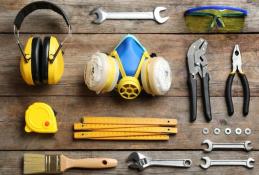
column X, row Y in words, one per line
column 236, row 60
column 197, row 64
column 196, row 58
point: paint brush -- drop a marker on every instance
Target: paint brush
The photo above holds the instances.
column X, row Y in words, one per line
column 53, row 164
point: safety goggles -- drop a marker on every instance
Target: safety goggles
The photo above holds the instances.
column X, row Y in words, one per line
column 215, row 18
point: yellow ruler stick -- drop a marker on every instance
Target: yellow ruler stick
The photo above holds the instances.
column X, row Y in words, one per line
column 130, row 121
column 99, row 134
column 85, row 126
column 147, row 138
column 169, row 130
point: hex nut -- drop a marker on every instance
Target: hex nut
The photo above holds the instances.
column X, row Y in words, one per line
column 205, row 131
column 216, row 131
column 238, row 131
column 248, row 131
column 228, row 131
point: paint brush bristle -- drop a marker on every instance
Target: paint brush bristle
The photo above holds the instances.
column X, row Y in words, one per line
column 41, row 163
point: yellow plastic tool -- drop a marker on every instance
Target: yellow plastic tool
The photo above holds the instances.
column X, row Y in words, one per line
column 119, row 136
column 40, row 118
column 130, row 121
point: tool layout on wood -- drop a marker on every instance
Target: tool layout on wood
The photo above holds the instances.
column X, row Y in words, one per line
column 125, row 128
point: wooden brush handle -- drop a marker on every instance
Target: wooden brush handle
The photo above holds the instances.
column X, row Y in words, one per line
column 92, row 163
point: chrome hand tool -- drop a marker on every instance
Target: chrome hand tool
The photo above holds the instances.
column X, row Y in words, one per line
column 140, row 162
column 208, row 162
column 155, row 15
column 237, row 67
column 197, row 64
column 211, row 146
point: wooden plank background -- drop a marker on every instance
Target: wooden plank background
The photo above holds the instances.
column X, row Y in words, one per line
column 72, row 100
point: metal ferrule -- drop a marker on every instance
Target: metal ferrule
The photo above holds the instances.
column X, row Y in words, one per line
column 52, row 164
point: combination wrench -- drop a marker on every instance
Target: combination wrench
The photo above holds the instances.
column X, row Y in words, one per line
column 211, row 146
column 208, row 162
column 155, row 15
column 140, row 162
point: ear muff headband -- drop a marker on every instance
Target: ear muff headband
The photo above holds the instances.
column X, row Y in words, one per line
column 25, row 11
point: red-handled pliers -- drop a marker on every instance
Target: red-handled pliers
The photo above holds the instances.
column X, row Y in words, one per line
column 237, row 67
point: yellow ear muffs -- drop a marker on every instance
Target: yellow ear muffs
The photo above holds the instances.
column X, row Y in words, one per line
column 55, row 66
column 101, row 73
column 156, row 76
column 30, row 68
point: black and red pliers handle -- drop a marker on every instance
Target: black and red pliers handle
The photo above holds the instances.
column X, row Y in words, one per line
column 246, row 92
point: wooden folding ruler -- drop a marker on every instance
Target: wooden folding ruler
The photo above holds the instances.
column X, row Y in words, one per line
column 130, row 121
column 119, row 136
column 148, row 129
column 85, row 126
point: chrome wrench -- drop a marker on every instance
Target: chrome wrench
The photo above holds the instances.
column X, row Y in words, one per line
column 211, row 146
column 155, row 15
column 140, row 162
column 208, row 162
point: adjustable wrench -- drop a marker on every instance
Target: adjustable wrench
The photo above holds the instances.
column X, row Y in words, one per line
column 211, row 146
column 208, row 162
column 155, row 15
column 140, row 162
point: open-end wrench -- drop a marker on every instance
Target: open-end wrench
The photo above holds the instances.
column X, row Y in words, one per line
column 208, row 162
column 155, row 15
column 140, row 162
column 211, row 146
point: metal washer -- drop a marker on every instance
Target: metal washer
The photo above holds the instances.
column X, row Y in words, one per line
column 216, row 131
column 248, row 131
column 228, row 131
column 205, row 131
column 238, row 131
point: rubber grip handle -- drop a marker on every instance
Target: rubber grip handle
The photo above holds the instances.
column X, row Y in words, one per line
column 192, row 84
column 246, row 91
column 228, row 94
column 206, row 97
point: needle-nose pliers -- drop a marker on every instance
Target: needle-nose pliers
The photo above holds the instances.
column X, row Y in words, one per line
column 237, row 67
column 197, row 64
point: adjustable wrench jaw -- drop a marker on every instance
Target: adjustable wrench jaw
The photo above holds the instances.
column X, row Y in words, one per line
column 138, row 161
column 236, row 60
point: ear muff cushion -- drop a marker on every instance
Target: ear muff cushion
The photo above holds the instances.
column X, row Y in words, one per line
column 36, row 60
column 55, row 69
column 45, row 60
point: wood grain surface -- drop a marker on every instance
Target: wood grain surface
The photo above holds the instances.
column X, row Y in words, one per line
column 72, row 100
